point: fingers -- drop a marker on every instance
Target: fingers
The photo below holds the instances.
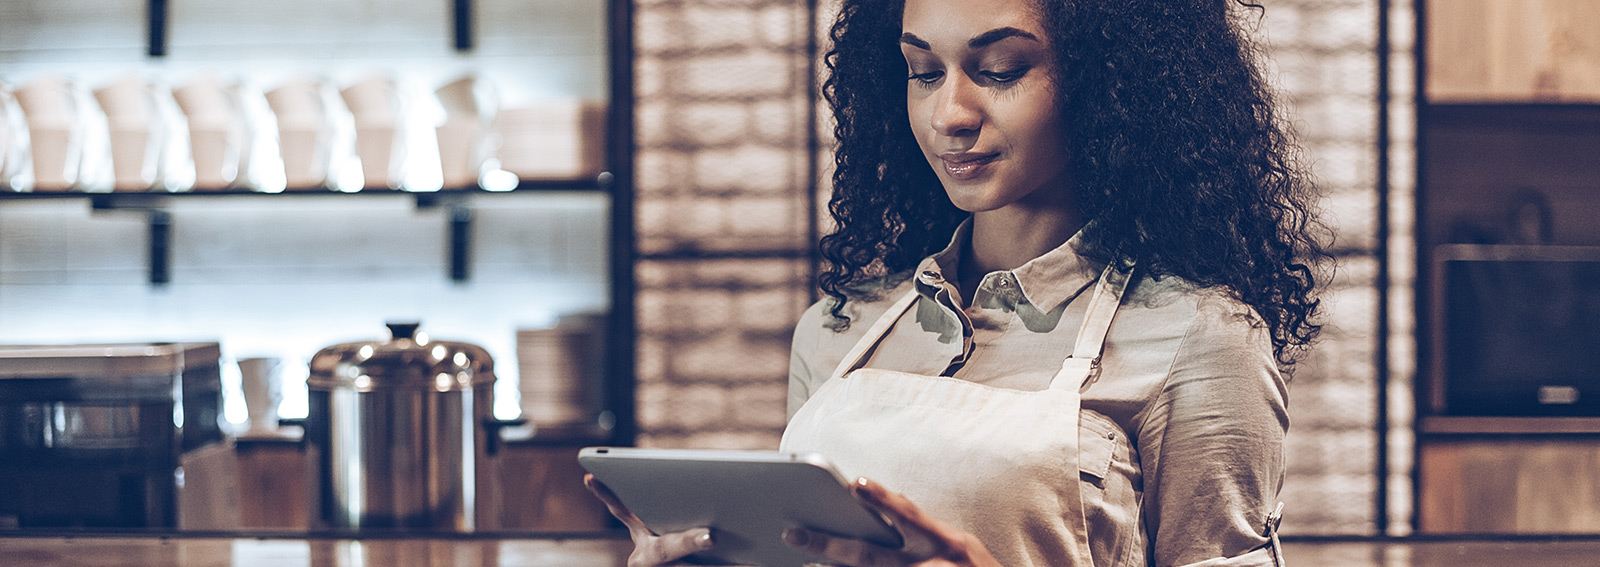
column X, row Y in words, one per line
column 614, row 505
column 924, row 536
column 844, row 551
column 674, row 546
column 649, row 550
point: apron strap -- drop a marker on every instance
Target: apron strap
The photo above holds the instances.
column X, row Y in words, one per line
column 875, row 334
column 1078, row 369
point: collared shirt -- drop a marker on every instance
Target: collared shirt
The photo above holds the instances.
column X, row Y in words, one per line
column 1181, row 435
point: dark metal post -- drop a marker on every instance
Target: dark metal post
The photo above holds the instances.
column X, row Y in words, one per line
column 158, row 28
column 460, row 242
column 160, row 247
column 463, row 24
column 1381, row 280
column 621, row 335
column 813, row 148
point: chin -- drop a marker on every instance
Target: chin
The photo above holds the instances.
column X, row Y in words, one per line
column 975, row 198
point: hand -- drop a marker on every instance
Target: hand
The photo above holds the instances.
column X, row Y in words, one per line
column 928, row 541
column 649, row 549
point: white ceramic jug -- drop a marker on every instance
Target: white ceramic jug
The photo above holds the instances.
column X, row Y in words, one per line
column 469, row 107
column 376, row 107
column 55, row 131
column 305, row 132
column 216, row 130
column 133, row 121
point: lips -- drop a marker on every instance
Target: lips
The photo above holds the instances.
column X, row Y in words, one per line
column 967, row 165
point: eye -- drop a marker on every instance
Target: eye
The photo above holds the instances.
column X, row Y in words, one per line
column 926, row 79
column 1004, row 77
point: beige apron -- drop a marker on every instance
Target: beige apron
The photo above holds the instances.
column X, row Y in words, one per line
column 987, row 460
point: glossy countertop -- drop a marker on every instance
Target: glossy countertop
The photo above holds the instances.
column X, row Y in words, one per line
column 611, row 550
column 208, row 551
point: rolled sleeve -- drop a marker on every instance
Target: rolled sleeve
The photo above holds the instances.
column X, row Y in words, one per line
column 1260, row 557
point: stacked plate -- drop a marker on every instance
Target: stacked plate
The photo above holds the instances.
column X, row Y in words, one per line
column 555, row 139
column 560, row 370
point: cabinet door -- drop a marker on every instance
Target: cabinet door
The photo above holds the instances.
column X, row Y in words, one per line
column 1513, row 50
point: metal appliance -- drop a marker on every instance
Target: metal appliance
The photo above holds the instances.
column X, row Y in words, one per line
column 404, row 433
column 94, row 435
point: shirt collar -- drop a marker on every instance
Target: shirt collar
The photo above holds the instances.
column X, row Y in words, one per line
column 1059, row 275
column 1047, row 281
column 932, row 270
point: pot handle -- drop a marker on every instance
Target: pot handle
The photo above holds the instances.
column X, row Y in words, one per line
column 493, row 427
column 406, row 331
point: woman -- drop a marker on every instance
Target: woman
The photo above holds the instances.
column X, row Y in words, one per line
column 1067, row 276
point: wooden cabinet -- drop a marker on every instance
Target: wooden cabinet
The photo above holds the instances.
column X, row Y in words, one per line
column 1508, row 122
column 1506, row 484
column 1513, row 50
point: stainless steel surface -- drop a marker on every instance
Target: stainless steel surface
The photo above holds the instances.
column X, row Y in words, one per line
column 410, row 360
column 98, row 362
column 81, row 426
column 94, row 435
column 404, row 428
column 100, row 396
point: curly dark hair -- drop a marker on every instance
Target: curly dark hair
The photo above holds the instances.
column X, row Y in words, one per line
column 1175, row 154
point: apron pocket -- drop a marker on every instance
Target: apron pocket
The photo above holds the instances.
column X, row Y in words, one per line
column 1097, row 445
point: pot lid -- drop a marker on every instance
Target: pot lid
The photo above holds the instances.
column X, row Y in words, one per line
column 409, row 360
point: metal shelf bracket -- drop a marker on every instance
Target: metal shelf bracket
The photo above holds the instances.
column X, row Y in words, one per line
column 459, row 232
column 160, row 229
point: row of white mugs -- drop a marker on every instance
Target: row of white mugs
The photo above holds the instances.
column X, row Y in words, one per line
column 136, row 134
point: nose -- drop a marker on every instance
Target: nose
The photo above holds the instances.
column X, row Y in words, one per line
column 955, row 112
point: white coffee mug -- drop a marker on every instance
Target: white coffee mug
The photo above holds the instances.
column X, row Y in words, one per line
column 263, row 391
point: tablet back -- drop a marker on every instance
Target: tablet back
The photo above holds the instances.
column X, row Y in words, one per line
column 747, row 498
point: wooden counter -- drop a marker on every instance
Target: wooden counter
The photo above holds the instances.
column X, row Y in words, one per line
column 540, row 487
column 612, row 551
column 187, row 551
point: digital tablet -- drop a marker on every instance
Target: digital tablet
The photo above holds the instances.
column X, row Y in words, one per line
column 747, row 498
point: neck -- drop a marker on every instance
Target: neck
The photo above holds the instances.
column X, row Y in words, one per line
column 1004, row 239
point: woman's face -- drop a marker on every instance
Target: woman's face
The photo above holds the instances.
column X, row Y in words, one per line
column 982, row 101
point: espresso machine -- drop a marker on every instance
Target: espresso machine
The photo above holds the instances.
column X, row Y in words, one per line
column 95, row 435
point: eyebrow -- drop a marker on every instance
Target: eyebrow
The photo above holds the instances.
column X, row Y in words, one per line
column 984, row 39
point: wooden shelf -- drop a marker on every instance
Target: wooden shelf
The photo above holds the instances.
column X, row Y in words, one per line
column 600, row 182
column 1509, row 425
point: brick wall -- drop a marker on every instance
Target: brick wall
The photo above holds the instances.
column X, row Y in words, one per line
column 722, row 205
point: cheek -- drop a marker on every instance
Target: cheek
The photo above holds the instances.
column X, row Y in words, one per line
column 1044, row 131
column 920, row 113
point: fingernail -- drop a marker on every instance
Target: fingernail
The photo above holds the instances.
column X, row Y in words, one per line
column 796, row 537
column 703, row 541
column 863, row 489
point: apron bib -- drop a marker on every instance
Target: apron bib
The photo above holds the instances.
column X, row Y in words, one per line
column 1001, row 464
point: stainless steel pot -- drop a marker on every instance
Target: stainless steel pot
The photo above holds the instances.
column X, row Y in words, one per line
column 404, row 431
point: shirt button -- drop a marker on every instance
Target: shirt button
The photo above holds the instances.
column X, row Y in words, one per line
column 1005, row 282
column 930, row 277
